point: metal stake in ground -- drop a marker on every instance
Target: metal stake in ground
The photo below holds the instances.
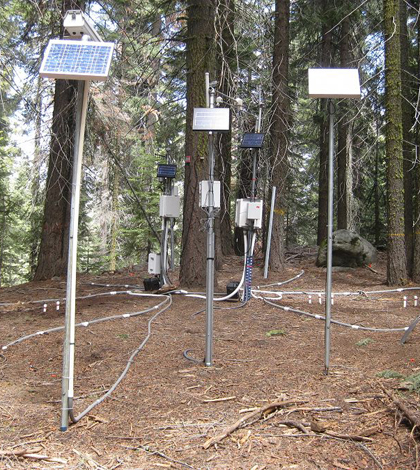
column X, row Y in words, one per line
column 210, row 247
column 70, row 318
column 84, row 60
column 328, row 286
column 210, row 120
column 331, row 83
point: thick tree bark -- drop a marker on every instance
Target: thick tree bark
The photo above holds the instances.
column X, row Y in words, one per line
column 396, row 269
column 52, row 259
column 53, row 251
column 200, row 59
column 280, row 128
column 226, row 66
column 326, row 61
column 416, row 255
column 408, row 163
column 345, row 143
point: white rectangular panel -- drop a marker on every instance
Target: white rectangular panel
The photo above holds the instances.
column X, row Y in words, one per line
column 205, row 194
column 334, row 83
column 211, row 119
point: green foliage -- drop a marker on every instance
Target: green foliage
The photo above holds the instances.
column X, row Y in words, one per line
column 280, row 332
column 364, row 342
column 389, row 374
column 414, row 381
column 14, row 226
column 139, row 113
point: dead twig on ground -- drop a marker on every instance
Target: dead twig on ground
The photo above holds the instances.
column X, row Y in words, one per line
column 403, row 408
column 160, row 454
column 372, row 455
column 32, row 454
column 294, row 424
column 263, row 411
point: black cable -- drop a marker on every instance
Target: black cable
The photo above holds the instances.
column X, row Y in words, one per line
column 192, row 359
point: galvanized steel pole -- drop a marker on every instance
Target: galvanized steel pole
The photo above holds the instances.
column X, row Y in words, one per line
column 210, row 242
column 270, row 231
column 328, row 288
column 70, row 317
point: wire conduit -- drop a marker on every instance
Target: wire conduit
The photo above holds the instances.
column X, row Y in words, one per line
column 127, row 367
column 322, row 317
column 97, row 320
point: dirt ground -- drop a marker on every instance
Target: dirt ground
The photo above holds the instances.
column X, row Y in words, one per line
column 268, row 371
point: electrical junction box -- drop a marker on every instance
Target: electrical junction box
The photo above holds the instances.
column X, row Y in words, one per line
column 169, row 206
column 154, row 263
column 255, row 212
column 204, row 194
column 241, row 213
column 247, row 212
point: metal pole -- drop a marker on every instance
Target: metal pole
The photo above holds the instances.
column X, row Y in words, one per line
column 70, row 318
column 328, row 288
column 251, row 230
column 210, row 247
column 270, row 230
column 255, row 152
column 207, row 83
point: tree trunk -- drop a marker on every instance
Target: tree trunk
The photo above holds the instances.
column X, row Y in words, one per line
column 227, row 66
column 115, row 209
column 416, row 255
column 200, row 59
column 407, row 148
column 35, row 182
column 53, row 250
column 377, row 190
column 345, row 143
column 396, row 269
column 326, row 61
column 280, row 128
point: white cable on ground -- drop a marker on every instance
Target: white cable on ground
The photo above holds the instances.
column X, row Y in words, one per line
column 127, row 367
column 283, row 282
column 229, row 296
column 322, row 317
column 97, row 320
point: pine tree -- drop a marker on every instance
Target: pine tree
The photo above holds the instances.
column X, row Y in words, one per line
column 396, row 272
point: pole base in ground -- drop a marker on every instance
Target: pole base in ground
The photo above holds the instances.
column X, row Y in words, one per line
column 63, row 428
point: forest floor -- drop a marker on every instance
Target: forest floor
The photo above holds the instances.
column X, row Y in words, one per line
column 268, row 372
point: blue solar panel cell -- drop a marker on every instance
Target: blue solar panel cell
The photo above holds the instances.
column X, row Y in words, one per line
column 77, row 60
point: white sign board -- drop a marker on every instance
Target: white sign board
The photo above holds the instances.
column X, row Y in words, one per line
column 211, row 119
column 334, row 83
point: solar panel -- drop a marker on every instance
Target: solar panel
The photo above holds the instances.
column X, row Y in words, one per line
column 77, row 60
column 334, row 83
column 252, row 141
column 166, row 171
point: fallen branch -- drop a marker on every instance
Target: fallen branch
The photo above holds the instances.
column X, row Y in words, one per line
column 410, row 415
column 265, row 410
column 371, row 269
column 160, row 454
column 295, row 424
column 20, row 453
column 215, row 400
column 351, row 437
column 31, row 454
